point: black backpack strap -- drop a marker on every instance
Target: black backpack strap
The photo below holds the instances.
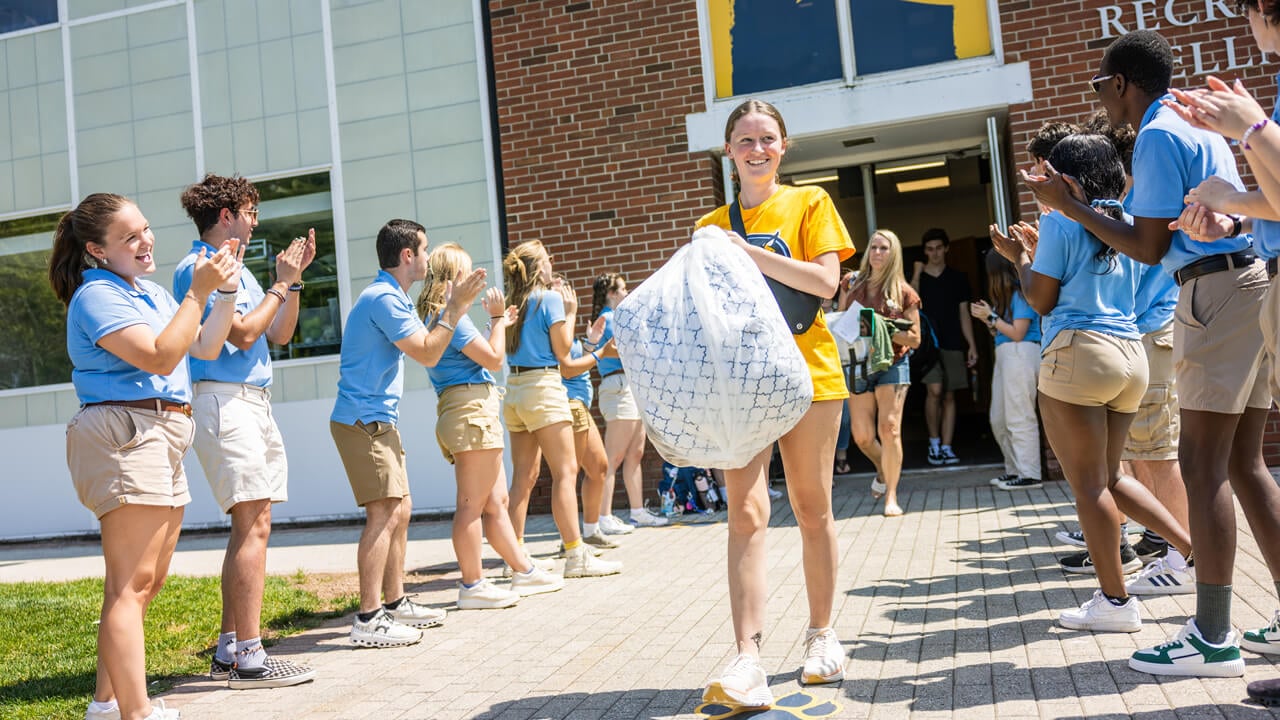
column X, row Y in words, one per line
column 735, row 219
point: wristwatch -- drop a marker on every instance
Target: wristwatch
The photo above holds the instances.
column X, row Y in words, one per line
column 992, row 317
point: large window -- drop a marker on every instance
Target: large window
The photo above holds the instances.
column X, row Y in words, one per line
column 287, row 208
column 22, row 14
column 899, row 34
column 33, row 323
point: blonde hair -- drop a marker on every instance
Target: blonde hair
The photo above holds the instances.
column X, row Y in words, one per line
column 444, row 265
column 520, row 279
column 889, row 278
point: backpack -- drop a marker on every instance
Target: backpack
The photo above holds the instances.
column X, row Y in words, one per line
column 926, row 356
column 687, row 489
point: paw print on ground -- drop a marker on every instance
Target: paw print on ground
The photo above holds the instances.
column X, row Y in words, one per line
column 796, row 706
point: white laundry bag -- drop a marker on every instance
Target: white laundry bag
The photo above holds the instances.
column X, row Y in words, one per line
column 711, row 362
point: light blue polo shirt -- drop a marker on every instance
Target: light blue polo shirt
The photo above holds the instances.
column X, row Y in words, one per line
column 1266, row 233
column 607, row 366
column 249, row 367
column 371, row 368
column 455, row 368
column 1169, row 159
column 543, row 309
column 104, row 304
column 1090, row 297
column 1155, row 299
column 1022, row 310
column 579, row 387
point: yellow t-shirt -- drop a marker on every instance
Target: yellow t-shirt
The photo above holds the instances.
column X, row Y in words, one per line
column 801, row 223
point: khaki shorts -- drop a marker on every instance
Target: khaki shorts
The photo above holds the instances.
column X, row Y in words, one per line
column 535, row 399
column 1093, row 369
column 582, row 420
column 126, row 456
column 1156, row 427
column 467, row 419
column 951, row 372
column 616, row 400
column 374, row 459
column 239, row 444
column 1270, row 326
column 1217, row 347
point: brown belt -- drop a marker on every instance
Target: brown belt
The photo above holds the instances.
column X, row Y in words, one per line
column 153, row 404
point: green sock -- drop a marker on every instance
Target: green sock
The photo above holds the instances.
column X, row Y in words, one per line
column 1213, row 611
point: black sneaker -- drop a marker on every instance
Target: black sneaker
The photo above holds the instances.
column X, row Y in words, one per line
column 1080, row 563
column 273, row 673
column 219, row 670
column 1019, row 483
column 1148, row 550
column 995, row 481
column 935, row 456
column 1265, row 692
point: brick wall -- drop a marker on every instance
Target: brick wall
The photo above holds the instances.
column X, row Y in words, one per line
column 1064, row 41
column 591, row 101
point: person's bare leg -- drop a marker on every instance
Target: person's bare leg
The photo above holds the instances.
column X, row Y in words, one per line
column 556, row 442
column 244, row 568
column 889, row 402
column 526, row 459
column 863, row 419
column 948, row 417
column 632, row 475
column 476, row 472
column 807, row 454
column 393, row 572
column 594, row 460
column 746, row 492
column 381, row 517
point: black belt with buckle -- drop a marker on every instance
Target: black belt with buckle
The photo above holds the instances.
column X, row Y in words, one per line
column 1214, row 263
column 1271, row 268
column 517, row 369
column 615, row 372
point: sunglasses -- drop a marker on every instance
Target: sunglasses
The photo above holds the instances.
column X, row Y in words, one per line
column 1096, row 82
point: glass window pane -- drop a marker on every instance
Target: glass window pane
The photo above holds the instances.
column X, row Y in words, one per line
column 897, row 34
column 287, row 208
column 23, row 14
column 33, row 322
column 761, row 45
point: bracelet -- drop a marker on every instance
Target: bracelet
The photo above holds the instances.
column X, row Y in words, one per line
column 593, row 354
column 228, row 292
column 277, row 293
column 226, row 297
column 297, row 287
column 441, row 323
column 496, row 317
column 992, row 318
column 1244, row 139
column 1237, row 226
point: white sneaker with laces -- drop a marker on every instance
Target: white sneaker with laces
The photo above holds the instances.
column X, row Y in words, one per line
column 611, row 525
column 535, row 582
column 1101, row 615
column 93, row 713
column 823, row 657
column 1160, row 577
column 644, row 518
column 579, row 562
column 743, row 684
column 1265, row 640
column 1189, row 654
column 484, row 595
column 382, row 630
column 414, row 615
column 547, row 564
column 160, row 712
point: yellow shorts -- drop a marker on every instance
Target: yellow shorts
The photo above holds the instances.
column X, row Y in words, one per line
column 467, row 419
column 1093, row 369
column 535, row 399
column 582, row 420
column 1155, row 429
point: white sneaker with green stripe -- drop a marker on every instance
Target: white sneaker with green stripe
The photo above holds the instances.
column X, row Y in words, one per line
column 1266, row 640
column 1189, row 654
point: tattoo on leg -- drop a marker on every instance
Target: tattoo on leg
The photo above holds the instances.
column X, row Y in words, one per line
column 757, row 638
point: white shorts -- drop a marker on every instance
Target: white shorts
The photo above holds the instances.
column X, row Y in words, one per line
column 238, row 443
column 616, row 400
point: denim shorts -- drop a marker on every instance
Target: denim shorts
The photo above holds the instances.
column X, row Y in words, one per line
column 898, row 373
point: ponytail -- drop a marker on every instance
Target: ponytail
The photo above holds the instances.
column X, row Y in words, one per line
column 600, row 290
column 70, row 257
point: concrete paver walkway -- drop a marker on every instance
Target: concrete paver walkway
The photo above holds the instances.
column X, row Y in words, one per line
column 946, row 612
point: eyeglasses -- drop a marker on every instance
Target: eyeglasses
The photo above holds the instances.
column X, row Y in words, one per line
column 1096, row 82
column 252, row 213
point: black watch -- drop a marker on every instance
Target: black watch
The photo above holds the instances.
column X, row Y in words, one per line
column 1237, row 226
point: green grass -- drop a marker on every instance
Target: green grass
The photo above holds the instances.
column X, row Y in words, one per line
column 48, row 637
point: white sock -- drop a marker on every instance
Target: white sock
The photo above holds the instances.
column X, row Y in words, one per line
column 95, row 706
column 934, row 443
column 249, row 653
column 1175, row 559
column 636, row 511
column 589, row 529
column 946, row 448
column 226, row 650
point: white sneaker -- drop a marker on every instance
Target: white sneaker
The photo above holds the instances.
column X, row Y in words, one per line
column 1159, row 577
column 484, row 595
column 535, row 582
column 159, row 712
column 644, row 518
column 1101, row 615
column 1189, row 654
column 743, row 684
column 611, row 525
column 1264, row 640
column 579, row 562
column 823, row 657
column 545, row 564
column 414, row 615
column 383, row 631
column 91, row 713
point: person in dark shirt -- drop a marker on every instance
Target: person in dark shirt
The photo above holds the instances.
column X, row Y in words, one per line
column 944, row 296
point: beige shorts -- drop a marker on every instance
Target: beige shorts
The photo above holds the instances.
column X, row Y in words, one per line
column 239, row 444
column 126, row 456
column 467, row 418
column 616, row 400
column 1155, row 429
column 535, row 399
column 1270, row 326
column 1217, row 347
column 582, row 420
column 374, row 459
column 952, row 371
column 1093, row 369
